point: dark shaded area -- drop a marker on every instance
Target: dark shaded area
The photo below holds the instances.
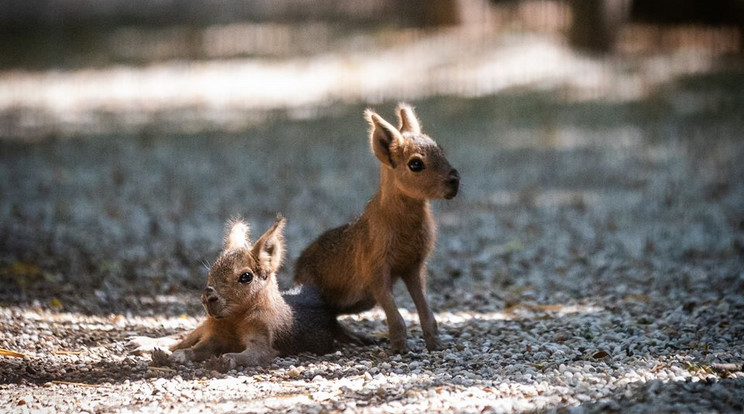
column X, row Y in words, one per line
column 689, row 11
column 684, row 394
column 76, row 33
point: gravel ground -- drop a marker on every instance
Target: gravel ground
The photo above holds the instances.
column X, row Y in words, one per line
column 593, row 261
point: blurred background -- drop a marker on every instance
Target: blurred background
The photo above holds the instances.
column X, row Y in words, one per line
column 76, row 66
column 598, row 140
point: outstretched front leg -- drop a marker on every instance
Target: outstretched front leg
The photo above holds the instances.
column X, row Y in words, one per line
column 139, row 345
column 191, row 339
column 199, row 345
column 258, row 350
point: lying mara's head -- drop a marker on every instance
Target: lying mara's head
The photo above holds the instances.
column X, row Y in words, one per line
column 243, row 272
column 418, row 164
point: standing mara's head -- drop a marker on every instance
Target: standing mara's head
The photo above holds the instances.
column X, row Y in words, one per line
column 419, row 167
column 243, row 271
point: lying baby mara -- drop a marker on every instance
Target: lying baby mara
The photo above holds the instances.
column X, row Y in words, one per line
column 249, row 321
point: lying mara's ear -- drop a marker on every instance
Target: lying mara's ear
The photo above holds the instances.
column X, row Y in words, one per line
column 384, row 138
column 269, row 249
column 407, row 119
column 237, row 235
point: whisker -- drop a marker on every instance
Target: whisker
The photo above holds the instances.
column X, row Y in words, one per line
column 206, row 264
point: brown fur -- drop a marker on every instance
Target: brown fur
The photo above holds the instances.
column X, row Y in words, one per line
column 249, row 322
column 356, row 265
column 243, row 317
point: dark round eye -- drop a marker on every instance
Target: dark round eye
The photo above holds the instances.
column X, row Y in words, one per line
column 245, row 277
column 416, row 165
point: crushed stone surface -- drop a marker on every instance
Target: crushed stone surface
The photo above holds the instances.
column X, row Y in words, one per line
column 593, row 262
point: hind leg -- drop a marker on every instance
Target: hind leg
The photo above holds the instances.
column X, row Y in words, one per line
column 347, row 336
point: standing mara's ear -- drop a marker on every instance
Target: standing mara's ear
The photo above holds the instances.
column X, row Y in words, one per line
column 407, row 119
column 237, row 235
column 384, row 138
column 269, row 249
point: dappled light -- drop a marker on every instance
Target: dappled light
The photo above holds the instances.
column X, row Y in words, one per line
column 518, row 381
column 591, row 260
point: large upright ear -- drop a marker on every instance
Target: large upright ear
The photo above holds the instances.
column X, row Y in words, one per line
column 407, row 119
column 269, row 249
column 384, row 138
column 237, row 235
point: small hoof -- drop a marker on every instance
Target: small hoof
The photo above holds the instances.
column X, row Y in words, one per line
column 346, row 335
column 399, row 348
column 434, row 345
column 230, row 361
column 160, row 358
column 364, row 340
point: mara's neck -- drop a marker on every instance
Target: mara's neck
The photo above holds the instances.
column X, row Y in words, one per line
column 391, row 203
column 278, row 312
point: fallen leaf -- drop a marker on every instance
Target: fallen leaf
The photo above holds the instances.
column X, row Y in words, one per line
column 12, row 354
column 20, row 269
column 510, row 247
column 727, row 368
column 534, row 308
column 66, row 352
column 161, row 369
column 75, row 384
column 286, row 395
column 26, row 275
column 600, row 354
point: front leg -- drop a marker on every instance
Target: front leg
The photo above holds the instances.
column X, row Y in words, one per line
column 258, row 352
column 250, row 357
column 416, row 283
column 191, row 339
column 201, row 344
column 382, row 290
column 139, row 345
column 143, row 344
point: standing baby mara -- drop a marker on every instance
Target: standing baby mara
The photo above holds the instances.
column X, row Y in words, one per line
column 355, row 265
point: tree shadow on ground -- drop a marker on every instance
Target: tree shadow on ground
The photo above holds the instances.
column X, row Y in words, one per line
column 675, row 396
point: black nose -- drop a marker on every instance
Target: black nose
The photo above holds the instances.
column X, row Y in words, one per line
column 453, row 178
column 209, row 294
